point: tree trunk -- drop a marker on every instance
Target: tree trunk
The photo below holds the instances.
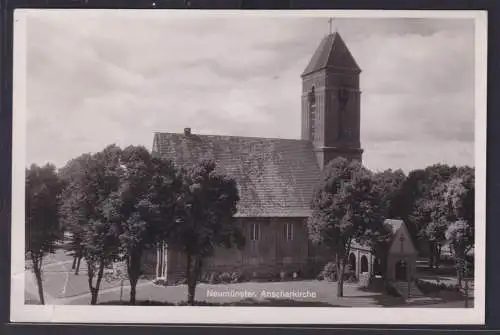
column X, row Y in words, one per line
column 438, row 255
column 133, row 287
column 191, row 291
column 459, row 275
column 195, row 276
column 340, row 281
column 37, row 269
column 191, row 283
column 90, row 277
column 460, row 268
column 431, row 255
column 99, row 278
column 77, row 270
column 134, row 271
column 94, row 291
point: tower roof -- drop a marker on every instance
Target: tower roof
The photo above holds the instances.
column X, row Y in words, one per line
column 331, row 53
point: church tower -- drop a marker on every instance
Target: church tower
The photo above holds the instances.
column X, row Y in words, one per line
column 331, row 102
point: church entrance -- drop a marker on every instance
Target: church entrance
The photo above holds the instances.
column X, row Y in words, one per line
column 401, row 271
column 377, row 267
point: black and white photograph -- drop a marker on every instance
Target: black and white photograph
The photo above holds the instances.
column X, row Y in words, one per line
column 219, row 167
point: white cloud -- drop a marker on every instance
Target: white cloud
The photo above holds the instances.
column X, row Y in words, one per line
column 97, row 78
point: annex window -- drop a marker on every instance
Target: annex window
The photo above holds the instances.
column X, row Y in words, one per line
column 288, row 231
column 254, row 231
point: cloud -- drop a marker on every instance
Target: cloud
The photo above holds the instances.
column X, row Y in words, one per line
column 101, row 77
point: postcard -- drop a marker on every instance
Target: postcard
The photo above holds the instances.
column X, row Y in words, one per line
column 225, row 167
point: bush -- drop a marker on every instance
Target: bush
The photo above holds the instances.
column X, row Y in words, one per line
column 236, row 277
column 160, row 282
column 329, row 272
column 181, row 281
column 225, row 277
column 222, row 277
column 430, row 287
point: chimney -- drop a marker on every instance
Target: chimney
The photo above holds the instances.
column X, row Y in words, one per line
column 187, row 131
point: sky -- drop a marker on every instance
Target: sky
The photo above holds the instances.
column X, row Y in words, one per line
column 100, row 77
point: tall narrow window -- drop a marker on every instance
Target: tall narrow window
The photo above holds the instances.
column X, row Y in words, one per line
column 254, row 231
column 288, row 231
column 312, row 109
column 343, row 96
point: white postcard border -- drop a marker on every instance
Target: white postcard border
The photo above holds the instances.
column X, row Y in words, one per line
column 244, row 315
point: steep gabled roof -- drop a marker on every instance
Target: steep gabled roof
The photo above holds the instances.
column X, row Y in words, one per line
column 394, row 224
column 399, row 228
column 275, row 177
column 332, row 52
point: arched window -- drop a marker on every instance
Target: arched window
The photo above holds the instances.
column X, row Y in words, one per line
column 364, row 264
column 352, row 262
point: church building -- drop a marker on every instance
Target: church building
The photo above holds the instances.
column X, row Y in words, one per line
column 276, row 177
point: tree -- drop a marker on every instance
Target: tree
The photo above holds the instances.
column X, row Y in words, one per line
column 205, row 220
column 140, row 207
column 132, row 210
column 389, row 184
column 101, row 244
column 418, row 197
column 43, row 189
column 91, row 184
column 458, row 199
column 75, row 213
column 346, row 206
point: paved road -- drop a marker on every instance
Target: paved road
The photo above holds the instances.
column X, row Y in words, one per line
column 59, row 280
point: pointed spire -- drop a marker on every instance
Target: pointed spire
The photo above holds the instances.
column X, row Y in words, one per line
column 331, row 53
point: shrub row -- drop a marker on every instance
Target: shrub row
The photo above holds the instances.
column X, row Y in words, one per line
column 236, row 277
column 329, row 273
column 428, row 287
column 222, row 277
